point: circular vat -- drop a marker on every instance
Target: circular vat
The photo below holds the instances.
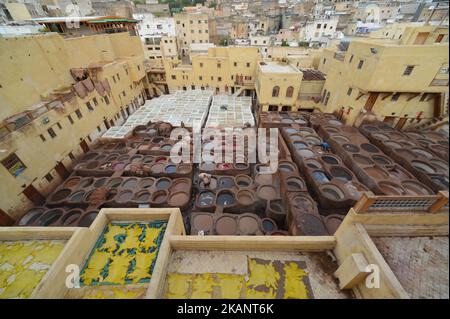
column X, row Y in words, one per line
column 130, row 183
column 332, row 223
column 441, row 166
column 335, row 122
column 332, row 160
column 268, row 225
column 423, row 167
column 92, row 164
column 225, row 198
column 311, row 225
column 226, row 225
column 205, row 199
column 361, row 159
column 157, row 168
column 304, row 204
column 295, row 184
column 225, row 182
column 166, row 147
column 351, row 148
column 295, row 137
column 71, row 217
column 267, row 192
column 341, row 139
column 202, row 221
column 77, row 197
column 391, row 188
column 184, row 168
column 331, row 129
column 86, row 182
column 87, row 219
column 422, row 152
column 163, row 183
column 380, row 136
column 170, row 169
column 288, row 167
column 114, row 183
column 212, row 183
column 376, row 172
column 207, row 166
column 416, row 188
column 369, row 148
column 178, row 199
column 142, row 196
column 119, row 165
column 123, row 158
column 245, row 197
column 112, row 157
column 312, row 140
column 124, row 196
column 243, row 181
column 146, row 182
column 300, row 145
column 60, row 195
column 313, row 164
column 181, row 184
column 320, row 177
column 381, row 160
column 341, row 173
column 72, row 182
column 136, row 158
column 249, row 224
column 305, row 153
column 50, row 217
column 332, row 192
column 392, row 144
column 159, row 197
column 31, row 216
column 111, row 194
column 100, row 182
column 370, row 128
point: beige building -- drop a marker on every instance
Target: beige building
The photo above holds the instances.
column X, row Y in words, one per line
column 157, row 48
column 223, row 69
column 191, row 28
column 401, row 82
column 58, row 95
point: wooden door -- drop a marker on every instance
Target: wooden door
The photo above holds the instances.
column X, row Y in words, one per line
column 389, row 120
column 62, row 170
column 401, row 122
column 371, row 101
column 5, row 219
column 421, row 37
column 33, row 195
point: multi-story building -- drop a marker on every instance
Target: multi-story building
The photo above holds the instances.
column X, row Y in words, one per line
column 191, row 28
column 402, row 82
column 319, row 32
column 224, row 69
column 149, row 24
column 58, row 95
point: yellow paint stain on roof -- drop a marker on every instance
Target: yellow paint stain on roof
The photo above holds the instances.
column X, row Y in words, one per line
column 202, row 286
column 230, row 285
column 262, row 275
column 178, row 285
column 293, row 285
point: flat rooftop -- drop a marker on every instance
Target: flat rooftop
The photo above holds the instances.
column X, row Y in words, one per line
column 230, row 111
column 277, row 67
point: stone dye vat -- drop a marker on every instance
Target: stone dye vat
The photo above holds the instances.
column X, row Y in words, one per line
column 374, row 168
column 333, row 184
column 124, row 254
column 23, row 264
column 266, row 279
column 422, row 154
column 282, row 119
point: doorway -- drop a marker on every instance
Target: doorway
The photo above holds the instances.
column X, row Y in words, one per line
column 84, row 146
column 33, row 195
column 62, row 170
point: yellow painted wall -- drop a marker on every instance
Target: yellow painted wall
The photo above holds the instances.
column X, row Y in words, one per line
column 35, row 66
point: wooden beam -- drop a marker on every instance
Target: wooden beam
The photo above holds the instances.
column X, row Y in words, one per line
column 266, row 243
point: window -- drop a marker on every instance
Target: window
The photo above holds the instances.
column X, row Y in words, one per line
column 235, row 63
column 14, row 165
column 106, row 100
column 200, row 77
column 360, row 64
column 395, row 97
column 289, row 91
column 70, row 119
column 89, row 138
column 327, row 98
column 219, row 79
column 351, row 59
column 118, row 77
column 71, row 156
column 89, row 106
column 218, row 65
column 51, row 132
column 114, row 78
column 49, row 177
column 324, row 60
column 408, row 70
column 423, row 97
column 193, row 87
column 191, row 22
column 42, row 138
column 99, row 129
column 78, row 113
column 349, row 91
column 439, row 38
column 248, row 64
column 124, row 94
column 319, row 25
column 192, row 31
column 275, row 91
column 95, row 101
column 59, row 125
column 201, row 65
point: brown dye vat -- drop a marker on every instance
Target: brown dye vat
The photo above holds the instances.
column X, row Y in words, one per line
column 87, row 219
column 332, row 192
column 265, row 179
column 60, row 195
column 202, row 222
column 241, row 166
column 143, row 196
column 49, row 218
column 363, row 160
column 207, row 167
column 295, row 184
column 243, row 181
column 376, row 172
column 226, row 225
column 351, row 148
column 130, row 183
column 369, row 148
column 415, row 188
column 159, row 197
column 267, row 192
column 391, row 188
column 178, row 199
column 332, row 223
column 245, row 197
column 136, row 158
column 124, row 196
column 249, row 224
column 341, row 173
column 72, row 182
column 184, row 168
column 71, row 218
column 314, row 164
column 182, row 184
column 286, row 166
column 31, row 216
column 92, row 164
column 341, row 139
column 381, row 160
column 423, row 167
column 268, row 225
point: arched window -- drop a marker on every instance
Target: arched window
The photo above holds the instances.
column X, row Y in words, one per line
column 289, row 91
column 275, row 91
